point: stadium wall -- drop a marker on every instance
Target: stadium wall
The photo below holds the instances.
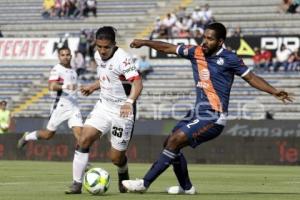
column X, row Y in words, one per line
column 242, row 142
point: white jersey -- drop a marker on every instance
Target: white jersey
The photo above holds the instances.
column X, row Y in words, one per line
column 65, row 76
column 111, row 73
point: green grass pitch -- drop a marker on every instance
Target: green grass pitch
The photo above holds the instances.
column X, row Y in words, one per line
column 30, row 180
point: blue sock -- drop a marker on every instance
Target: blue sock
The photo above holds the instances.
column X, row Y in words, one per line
column 181, row 171
column 163, row 162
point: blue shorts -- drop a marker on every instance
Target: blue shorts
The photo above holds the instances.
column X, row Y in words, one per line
column 200, row 126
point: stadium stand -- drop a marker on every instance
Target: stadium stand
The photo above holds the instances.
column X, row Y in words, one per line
column 164, row 95
column 254, row 17
column 18, row 82
column 23, row 18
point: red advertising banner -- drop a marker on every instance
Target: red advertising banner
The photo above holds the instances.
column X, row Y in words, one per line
column 34, row 48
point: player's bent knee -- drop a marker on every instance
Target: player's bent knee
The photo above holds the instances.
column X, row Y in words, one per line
column 85, row 141
column 176, row 141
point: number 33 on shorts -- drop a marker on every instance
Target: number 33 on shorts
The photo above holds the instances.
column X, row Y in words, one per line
column 121, row 133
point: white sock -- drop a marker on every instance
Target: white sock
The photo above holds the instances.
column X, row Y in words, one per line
column 123, row 169
column 79, row 164
column 31, row 136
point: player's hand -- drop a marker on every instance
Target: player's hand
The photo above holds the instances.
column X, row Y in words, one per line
column 136, row 43
column 283, row 96
column 126, row 110
column 86, row 90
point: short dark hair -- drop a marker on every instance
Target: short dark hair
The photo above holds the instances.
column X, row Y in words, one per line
column 63, row 48
column 219, row 29
column 106, row 33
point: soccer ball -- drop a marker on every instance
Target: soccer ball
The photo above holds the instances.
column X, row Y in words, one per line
column 96, row 181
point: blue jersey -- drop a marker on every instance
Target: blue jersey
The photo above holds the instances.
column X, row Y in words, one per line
column 213, row 76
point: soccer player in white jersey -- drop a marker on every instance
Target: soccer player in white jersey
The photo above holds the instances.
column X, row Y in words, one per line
column 63, row 81
column 113, row 114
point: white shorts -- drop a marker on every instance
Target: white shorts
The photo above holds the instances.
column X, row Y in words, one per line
column 119, row 129
column 62, row 113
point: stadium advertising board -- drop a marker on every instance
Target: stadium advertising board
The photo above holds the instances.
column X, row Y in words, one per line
column 244, row 46
column 34, row 48
column 145, row 148
column 235, row 128
column 242, row 142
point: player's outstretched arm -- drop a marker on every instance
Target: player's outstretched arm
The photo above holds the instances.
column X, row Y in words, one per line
column 136, row 89
column 261, row 84
column 157, row 45
column 89, row 89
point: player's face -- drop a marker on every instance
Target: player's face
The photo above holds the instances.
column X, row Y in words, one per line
column 105, row 48
column 210, row 43
column 65, row 57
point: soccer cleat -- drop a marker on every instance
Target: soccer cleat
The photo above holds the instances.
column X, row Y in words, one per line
column 180, row 190
column 22, row 142
column 75, row 188
column 134, row 185
column 122, row 177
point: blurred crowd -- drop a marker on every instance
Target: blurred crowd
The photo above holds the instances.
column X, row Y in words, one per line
column 285, row 60
column 289, row 6
column 74, row 9
column 179, row 24
column 183, row 24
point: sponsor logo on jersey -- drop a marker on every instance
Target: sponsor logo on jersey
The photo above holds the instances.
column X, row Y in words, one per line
column 126, row 62
column 220, row 61
column 132, row 68
column 204, row 74
column 202, row 85
column 123, row 142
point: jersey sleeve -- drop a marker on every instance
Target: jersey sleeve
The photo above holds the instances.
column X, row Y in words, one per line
column 238, row 67
column 129, row 69
column 54, row 75
column 186, row 51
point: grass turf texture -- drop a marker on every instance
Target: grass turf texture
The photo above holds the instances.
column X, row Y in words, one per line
column 30, row 180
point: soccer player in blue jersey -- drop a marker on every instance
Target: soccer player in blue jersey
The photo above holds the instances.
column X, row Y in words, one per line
column 213, row 68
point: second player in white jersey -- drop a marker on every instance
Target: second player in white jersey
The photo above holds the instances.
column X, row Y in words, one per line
column 67, row 77
column 65, row 106
column 63, row 82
